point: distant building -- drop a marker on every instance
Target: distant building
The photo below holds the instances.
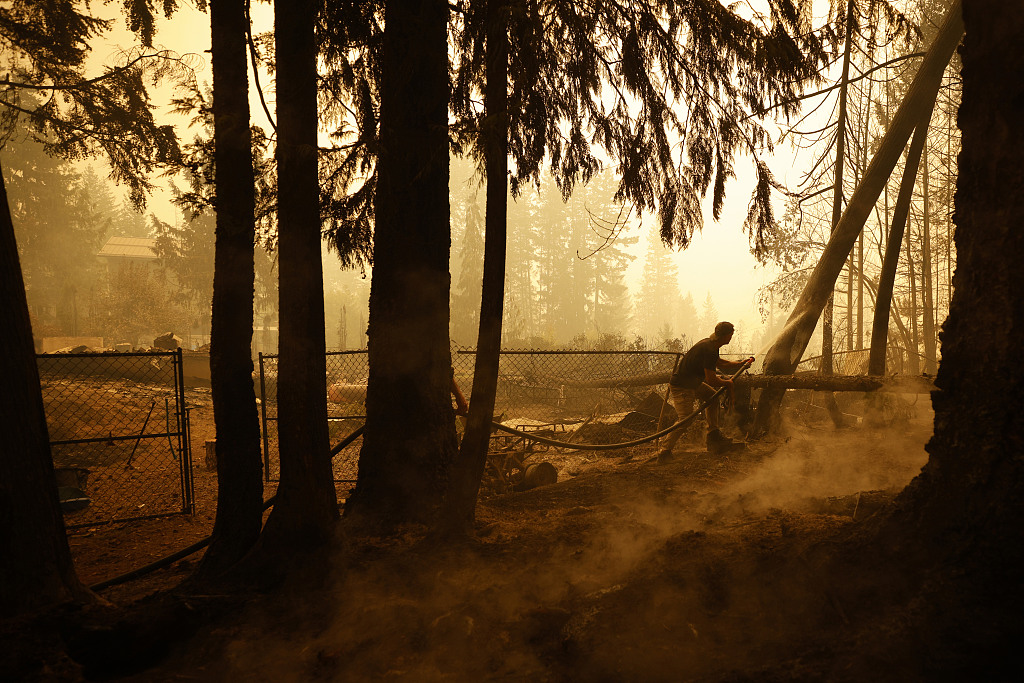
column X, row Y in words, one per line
column 120, row 251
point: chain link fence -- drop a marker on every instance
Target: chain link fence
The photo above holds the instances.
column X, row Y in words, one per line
column 347, row 372
column 537, row 390
column 119, row 434
column 555, row 387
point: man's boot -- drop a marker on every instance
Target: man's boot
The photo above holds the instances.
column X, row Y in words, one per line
column 719, row 443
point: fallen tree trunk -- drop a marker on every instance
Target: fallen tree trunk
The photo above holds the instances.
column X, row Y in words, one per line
column 911, row 384
column 895, row 384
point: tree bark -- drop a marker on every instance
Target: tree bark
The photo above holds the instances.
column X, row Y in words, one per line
column 306, row 509
column 472, row 458
column 927, row 302
column 410, row 438
column 913, row 349
column 962, row 514
column 239, row 466
column 785, row 353
column 827, row 331
column 35, row 569
column 887, row 278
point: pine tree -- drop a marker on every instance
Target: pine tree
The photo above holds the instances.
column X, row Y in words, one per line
column 708, row 317
column 659, row 290
column 465, row 306
column 47, row 45
column 410, row 436
column 59, row 230
column 602, row 243
column 522, row 325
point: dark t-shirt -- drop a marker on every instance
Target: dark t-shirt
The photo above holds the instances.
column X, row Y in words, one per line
column 689, row 374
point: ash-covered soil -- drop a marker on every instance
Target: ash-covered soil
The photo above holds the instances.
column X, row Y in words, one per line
column 704, row 568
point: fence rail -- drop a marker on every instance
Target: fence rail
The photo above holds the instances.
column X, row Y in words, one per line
column 119, row 434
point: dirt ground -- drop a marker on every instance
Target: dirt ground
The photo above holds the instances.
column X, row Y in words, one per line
column 701, row 568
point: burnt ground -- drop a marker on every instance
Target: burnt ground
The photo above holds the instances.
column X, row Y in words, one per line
column 704, row 568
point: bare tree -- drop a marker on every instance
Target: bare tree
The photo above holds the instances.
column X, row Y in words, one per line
column 785, row 353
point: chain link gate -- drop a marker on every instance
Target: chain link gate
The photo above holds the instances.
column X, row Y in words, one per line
column 119, row 434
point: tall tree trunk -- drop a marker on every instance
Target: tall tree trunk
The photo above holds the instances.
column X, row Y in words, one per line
column 827, row 330
column 913, row 351
column 927, row 302
column 887, row 278
column 962, row 513
column 36, row 569
column 472, row 459
column 410, row 438
column 239, row 467
column 785, row 353
column 306, row 508
column 865, row 116
column 860, row 293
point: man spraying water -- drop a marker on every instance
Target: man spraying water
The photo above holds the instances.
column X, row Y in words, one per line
column 695, row 375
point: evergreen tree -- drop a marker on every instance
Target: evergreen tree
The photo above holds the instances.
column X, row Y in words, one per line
column 127, row 221
column 705, row 59
column 659, row 294
column 305, row 510
column 557, row 298
column 47, row 45
column 602, row 244
column 522, row 306
column 465, row 306
column 410, row 436
column 688, row 318
column 708, row 317
column 59, row 230
column 231, row 267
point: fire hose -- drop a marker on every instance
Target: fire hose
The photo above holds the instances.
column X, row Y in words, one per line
column 199, row 545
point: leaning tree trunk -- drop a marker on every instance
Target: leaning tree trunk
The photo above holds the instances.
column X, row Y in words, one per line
column 410, row 438
column 306, row 507
column 239, row 468
column 35, row 569
column 887, row 278
column 962, row 514
column 784, row 355
column 472, row 459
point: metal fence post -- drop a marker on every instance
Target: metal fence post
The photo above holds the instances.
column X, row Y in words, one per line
column 188, row 502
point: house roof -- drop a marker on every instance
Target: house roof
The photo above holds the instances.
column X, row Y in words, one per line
column 129, row 247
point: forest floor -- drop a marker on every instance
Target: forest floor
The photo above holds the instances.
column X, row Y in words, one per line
column 703, row 568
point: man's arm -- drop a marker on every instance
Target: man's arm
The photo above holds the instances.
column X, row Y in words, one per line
column 713, row 379
column 732, row 365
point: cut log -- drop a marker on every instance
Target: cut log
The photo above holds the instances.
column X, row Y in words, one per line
column 211, row 455
column 917, row 384
column 910, row 384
